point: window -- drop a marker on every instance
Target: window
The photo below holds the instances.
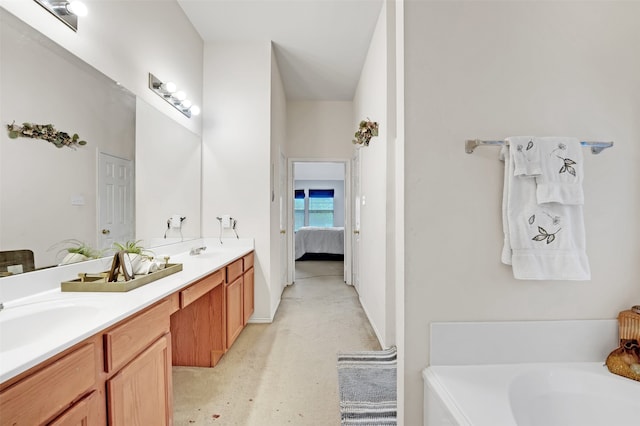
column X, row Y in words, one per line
column 321, row 207
column 298, row 209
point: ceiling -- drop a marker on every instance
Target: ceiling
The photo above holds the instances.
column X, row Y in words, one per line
column 320, row 45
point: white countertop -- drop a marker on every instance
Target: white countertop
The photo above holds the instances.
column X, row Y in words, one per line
column 87, row 313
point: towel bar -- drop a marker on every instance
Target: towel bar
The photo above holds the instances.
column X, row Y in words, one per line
column 471, row 144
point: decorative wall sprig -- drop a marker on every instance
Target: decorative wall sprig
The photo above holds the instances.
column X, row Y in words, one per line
column 366, row 130
column 46, row 132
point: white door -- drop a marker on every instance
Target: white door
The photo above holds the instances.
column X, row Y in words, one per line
column 115, row 201
column 284, row 202
column 355, row 222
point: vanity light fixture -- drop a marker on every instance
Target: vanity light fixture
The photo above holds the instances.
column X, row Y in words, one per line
column 170, row 93
column 65, row 10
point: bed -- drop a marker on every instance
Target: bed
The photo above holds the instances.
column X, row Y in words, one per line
column 316, row 240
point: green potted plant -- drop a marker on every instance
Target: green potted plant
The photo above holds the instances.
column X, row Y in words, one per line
column 133, row 247
column 141, row 258
column 78, row 251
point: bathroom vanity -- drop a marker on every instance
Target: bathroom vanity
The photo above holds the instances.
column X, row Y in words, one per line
column 117, row 371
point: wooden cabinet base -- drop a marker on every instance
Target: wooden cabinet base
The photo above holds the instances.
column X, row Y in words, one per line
column 197, row 330
column 149, row 375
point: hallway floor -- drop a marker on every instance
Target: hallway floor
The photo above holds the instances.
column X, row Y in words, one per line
column 285, row 372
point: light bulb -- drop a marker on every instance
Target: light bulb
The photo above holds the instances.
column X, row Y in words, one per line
column 77, row 8
column 195, row 110
column 181, row 96
column 186, row 104
column 169, row 87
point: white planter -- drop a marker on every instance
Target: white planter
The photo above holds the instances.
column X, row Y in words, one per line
column 73, row 258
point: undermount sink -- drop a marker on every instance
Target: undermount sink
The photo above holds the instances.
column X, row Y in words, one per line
column 208, row 254
column 25, row 324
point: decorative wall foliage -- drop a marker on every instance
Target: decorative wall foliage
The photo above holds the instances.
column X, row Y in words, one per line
column 46, row 132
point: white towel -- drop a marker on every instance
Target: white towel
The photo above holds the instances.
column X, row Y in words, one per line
column 541, row 241
column 526, row 156
column 562, row 170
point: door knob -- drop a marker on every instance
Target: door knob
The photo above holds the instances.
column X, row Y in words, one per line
column 106, row 231
column 356, row 231
column 283, row 231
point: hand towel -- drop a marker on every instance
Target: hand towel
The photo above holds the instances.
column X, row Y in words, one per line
column 526, row 156
column 541, row 241
column 562, row 172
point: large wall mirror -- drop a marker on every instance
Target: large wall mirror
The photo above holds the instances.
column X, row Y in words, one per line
column 52, row 198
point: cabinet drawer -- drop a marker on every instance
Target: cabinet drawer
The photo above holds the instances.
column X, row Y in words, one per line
column 41, row 396
column 126, row 340
column 248, row 261
column 234, row 270
column 199, row 289
column 85, row 412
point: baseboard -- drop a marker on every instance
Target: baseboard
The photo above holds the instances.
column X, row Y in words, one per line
column 260, row 321
column 265, row 320
column 375, row 329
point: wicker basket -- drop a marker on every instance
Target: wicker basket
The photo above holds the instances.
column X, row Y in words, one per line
column 629, row 324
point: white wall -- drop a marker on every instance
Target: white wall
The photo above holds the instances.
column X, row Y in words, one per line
column 125, row 42
column 315, row 170
column 338, row 195
column 237, row 149
column 317, row 130
column 490, row 70
column 371, row 101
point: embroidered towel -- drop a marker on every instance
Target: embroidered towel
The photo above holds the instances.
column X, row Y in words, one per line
column 526, row 156
column 561, row 163
column 541, row 241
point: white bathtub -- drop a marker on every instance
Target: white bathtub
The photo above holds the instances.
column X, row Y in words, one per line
column 536, row 394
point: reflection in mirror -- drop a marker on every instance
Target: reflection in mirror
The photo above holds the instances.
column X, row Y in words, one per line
column 48, row 194
column 168, row 164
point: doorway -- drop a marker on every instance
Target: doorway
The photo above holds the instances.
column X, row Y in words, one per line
column 320, row 216
column 115, row 200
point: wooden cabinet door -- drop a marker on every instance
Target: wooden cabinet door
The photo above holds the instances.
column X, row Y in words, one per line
column 235, row 318
column 247, row 298
column 89, row 411
column 140, row 393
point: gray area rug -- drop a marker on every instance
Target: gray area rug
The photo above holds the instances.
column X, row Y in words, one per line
column 367, row 388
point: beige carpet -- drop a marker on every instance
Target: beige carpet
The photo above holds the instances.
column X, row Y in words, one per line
column 285, row 372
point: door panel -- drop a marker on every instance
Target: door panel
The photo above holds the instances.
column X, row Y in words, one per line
column 116, row 205
column 355, row 222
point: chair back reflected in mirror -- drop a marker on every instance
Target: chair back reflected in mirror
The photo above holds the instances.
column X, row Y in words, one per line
column 16, row 262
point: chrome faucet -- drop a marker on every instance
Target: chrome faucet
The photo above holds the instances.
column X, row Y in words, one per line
column 196, row 251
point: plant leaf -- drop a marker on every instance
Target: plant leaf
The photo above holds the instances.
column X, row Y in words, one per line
column 569, row 162
column 542, row 230
column 563, row 169
column 571, row 170
column 532, row 219
column 550, row 238
column 529, row 145
column 540, row 237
